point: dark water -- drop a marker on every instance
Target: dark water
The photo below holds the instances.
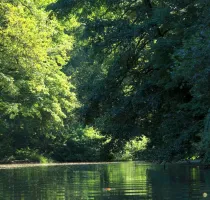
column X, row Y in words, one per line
column 119, row 181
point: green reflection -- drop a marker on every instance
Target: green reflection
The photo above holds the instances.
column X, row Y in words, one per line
column 131, row 180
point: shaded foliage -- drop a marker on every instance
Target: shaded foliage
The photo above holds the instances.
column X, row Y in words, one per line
column 142, row 69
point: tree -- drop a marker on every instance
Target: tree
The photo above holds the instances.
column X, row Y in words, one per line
column 36, row 96
column 134, row 82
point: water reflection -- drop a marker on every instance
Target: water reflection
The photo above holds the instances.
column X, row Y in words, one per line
column 117, row 181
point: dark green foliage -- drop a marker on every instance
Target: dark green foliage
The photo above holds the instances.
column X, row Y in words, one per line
column 77, row 143
column 139, row 68
column 144, row 71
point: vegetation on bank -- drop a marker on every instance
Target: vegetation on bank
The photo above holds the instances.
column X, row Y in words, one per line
column 104, row 80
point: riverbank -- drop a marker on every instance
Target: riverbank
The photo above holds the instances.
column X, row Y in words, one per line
column 21, row 165
column 25, row 164
column 184, row 162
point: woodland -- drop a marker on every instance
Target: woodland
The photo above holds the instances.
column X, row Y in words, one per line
column 104, row 80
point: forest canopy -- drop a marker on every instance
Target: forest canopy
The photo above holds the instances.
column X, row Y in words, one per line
column 99, row 79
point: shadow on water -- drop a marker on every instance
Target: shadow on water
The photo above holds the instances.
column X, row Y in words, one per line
column 117, row 181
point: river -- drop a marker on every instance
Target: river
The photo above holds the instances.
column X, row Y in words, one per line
column 113, row 181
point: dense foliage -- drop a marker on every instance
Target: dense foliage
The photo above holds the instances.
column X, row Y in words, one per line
column 81, row 79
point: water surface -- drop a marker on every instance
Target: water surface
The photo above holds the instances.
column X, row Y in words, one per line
column 117, row 181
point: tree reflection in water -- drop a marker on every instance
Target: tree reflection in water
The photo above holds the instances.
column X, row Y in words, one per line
column 130, row 181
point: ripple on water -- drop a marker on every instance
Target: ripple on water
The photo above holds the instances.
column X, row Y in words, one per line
column 119, row 181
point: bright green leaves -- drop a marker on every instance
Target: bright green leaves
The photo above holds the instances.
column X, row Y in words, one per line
column 33, row 49
column 36, row 97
